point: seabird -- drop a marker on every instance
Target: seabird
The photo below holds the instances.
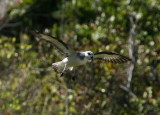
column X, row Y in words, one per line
column 77, row 58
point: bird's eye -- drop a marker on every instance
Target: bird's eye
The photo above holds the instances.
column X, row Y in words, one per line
column 89, row 53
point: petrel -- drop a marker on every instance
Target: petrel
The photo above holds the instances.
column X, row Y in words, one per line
column 77, row 58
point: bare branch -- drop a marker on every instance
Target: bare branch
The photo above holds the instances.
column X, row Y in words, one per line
column 128, row 91
column 67, row 102
column 131, row 47
column 3, row 8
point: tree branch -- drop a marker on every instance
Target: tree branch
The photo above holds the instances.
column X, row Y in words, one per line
column 128, row 91
column 131, row 48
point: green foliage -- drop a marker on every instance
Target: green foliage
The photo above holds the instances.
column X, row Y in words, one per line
column 29, row 86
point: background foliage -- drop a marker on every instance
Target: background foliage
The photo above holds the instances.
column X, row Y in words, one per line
column 29, row 86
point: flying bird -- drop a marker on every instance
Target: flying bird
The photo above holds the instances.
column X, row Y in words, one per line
column 77, row 58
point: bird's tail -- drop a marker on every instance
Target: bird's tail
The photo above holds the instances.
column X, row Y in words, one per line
column 58, row 66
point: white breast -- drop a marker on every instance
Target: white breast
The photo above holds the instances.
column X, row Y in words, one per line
column 75, row 61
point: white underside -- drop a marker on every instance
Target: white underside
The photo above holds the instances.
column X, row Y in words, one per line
column 70, row 62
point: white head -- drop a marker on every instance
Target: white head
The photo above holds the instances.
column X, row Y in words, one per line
column 89, row 54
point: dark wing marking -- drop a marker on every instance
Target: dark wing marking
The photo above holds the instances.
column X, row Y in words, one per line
column 59, row 44
column 111, row 57
column 81, row 56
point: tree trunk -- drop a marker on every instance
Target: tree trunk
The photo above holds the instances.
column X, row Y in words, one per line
column 131, row 49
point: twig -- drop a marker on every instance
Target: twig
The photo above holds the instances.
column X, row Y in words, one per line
column 44, row 106
column 42, row 69
column 67, row 102
column 128, row 91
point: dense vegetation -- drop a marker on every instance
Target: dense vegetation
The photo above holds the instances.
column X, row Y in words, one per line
column 29, row 86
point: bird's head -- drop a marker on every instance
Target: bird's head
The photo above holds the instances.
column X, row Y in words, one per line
column 89, row 55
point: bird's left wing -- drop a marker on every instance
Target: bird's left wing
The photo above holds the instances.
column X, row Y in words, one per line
column 111, row 57
column 59, row 44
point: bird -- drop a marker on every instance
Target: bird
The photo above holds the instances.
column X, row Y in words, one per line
column 77, row 58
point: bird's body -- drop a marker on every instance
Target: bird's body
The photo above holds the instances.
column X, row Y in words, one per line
column 77, row 59
column 74, row 58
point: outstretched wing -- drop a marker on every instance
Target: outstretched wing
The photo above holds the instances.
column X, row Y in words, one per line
column 59, row 44
column 111, row 57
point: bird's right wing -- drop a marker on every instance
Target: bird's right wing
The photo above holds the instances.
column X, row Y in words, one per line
column 111, row 57
column 59, row 44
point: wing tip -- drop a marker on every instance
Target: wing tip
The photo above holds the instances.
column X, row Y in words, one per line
column 123, row 59
column 126, row 59
column 39, row 35
column 120, row 59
